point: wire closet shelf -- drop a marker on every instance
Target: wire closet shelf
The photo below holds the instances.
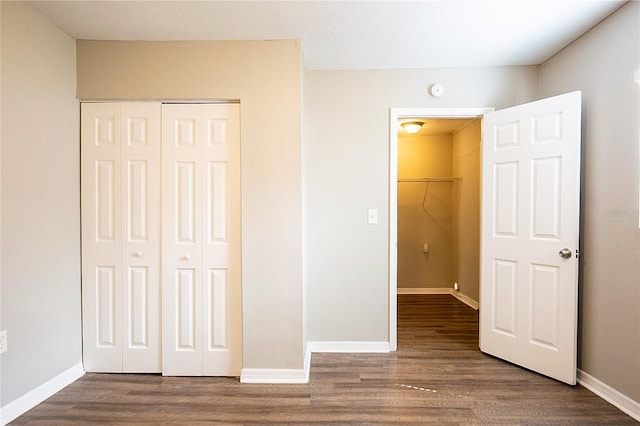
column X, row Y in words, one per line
column 427, row 181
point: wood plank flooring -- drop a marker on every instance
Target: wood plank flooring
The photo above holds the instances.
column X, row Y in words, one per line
column 437, row 376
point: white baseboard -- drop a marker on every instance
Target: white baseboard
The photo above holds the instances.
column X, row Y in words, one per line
column 341, row 347
column 465, row 299
column 292, row 376
column 26, row 402
column 461, row 297
column 612, row 396
column 423, row 290
column 307, row 363
column 348, row 347
column 274, row 375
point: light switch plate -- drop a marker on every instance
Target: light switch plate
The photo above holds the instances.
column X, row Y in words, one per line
column 3, row 341
column 372, row 216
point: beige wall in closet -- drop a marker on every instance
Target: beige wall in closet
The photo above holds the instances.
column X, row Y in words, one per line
column 424, row 212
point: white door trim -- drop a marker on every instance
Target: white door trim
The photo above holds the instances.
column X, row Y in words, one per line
column 394, row 115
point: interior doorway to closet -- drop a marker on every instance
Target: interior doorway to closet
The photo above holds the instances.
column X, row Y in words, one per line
column 438, row 206
column 435, row 205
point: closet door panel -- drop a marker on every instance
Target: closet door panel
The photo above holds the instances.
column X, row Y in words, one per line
column 105, row 308
column 217, row 211
column 202, row 317
column 216, row 299
column 105, row 204
column 137, row 315
column 101, row 237
column 182, row 340
column 140, row 153
column 221, row 246
column 186, row 310
column 185, row 200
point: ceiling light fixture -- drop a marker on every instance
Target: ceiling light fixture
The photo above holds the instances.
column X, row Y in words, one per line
column 412, row 127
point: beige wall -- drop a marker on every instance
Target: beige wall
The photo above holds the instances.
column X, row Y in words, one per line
column 346, row 167
column 266, row 78
column 424, row 156
column 466, row 163
column 601, row 64
column 40, row 294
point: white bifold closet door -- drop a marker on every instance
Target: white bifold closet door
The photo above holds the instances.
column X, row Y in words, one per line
column 161, row 217
column 201, row 297
column 121, row 236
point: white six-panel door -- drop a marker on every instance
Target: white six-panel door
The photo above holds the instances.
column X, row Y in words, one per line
column 121, row 236
column 202, row 330
column 530, row 230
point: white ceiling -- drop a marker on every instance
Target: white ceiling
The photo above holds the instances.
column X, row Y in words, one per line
column 436, row 126
column 351, row 34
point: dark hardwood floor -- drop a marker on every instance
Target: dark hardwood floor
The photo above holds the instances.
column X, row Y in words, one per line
column 437, row 376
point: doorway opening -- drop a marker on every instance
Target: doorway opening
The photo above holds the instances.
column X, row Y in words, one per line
column 427, row 204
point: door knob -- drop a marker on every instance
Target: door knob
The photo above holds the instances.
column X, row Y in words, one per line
column 138, row 253
column 186, row 257
column 565, row 253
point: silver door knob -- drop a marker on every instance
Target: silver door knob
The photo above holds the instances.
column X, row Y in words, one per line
column 565, row 253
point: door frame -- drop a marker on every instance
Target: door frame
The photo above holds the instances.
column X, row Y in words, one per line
column 394, row 115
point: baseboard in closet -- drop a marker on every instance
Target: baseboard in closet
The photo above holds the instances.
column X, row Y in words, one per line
column 422, row 290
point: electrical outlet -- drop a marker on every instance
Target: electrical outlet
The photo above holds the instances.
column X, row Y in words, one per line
column 3, row 341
